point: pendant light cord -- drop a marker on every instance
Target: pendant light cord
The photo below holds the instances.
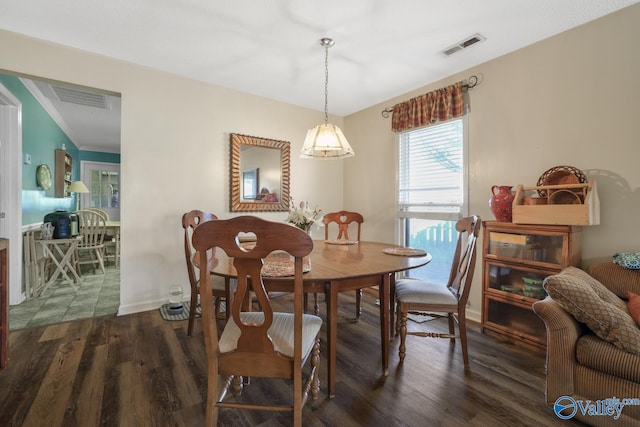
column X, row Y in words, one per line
column 326, row 84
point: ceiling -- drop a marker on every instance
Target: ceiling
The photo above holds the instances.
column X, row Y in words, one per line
column 271, row 48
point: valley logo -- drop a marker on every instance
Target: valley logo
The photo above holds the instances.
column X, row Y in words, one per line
column 566, row 407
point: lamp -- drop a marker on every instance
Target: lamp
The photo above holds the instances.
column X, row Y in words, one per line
column 78, row 187
column 326, row 141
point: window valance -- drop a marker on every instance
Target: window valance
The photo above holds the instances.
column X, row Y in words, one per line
column 433, row 107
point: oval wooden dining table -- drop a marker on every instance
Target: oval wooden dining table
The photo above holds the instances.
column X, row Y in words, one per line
column 337, row 268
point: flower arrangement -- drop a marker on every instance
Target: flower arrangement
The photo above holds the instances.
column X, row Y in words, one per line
column 302, row 216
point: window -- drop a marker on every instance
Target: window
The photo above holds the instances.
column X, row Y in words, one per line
column 432, row 193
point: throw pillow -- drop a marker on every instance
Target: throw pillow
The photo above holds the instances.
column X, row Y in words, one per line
column 601, row 290
column 597, row 309
column 630, row 260
column 634, row 306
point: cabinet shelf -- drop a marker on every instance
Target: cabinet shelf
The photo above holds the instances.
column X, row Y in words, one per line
column 516, row 259
column 64, row 167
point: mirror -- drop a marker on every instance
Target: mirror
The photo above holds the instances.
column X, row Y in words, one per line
column 259, row 174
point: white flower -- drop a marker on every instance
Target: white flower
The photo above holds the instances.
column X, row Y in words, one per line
column 303, row 216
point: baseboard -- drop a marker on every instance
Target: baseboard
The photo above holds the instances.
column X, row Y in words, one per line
column 140, row 307
column 473, row 315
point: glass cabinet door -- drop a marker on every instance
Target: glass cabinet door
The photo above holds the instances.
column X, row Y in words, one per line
column 516, row 281
column 527, row 247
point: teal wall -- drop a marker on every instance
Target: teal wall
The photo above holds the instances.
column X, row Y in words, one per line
column 95, row 156
column 41, row 136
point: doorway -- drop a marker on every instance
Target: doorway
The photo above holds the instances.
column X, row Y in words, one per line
column 82, row 114
column 103, row 181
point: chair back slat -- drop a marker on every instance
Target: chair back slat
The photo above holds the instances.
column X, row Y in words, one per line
column 464, row 260
column 342, row 219
column 92, row 227
column 190, row 221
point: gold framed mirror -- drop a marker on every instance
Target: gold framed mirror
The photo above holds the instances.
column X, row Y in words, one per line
column 259, row 174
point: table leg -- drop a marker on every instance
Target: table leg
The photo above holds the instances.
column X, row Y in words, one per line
column 392, row 306
column 48, row 254
column 64, row 262
column 61, row 264
column 332, row 335
column 384, row 321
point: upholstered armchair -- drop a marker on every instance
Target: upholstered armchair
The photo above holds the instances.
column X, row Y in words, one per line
column 593, row 350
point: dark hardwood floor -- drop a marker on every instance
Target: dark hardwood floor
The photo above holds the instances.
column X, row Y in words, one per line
column 139, row 370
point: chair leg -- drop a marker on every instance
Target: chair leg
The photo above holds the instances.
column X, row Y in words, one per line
column 316, row 306
column 100, row 261
column 192, row 311
column 315, row 365
column 402, row 320
column 463, row 338
column 212, row 397
column 452, row 328
column 397, row 324
column 358, row 303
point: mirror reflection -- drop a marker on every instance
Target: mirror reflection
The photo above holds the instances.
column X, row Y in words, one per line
column 259, row 174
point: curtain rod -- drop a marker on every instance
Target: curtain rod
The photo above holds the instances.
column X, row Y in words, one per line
column 472, row 82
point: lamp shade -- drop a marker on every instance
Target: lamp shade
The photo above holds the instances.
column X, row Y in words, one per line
column 78, row 187
column 326, row 141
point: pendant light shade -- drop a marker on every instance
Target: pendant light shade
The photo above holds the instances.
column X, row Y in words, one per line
column 326, row 141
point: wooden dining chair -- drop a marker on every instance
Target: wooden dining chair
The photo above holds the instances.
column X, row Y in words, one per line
column 343, row 219
column 442, row 300
column 259, row 343
column 190, row 221
column 92, row 227
column 111, row 240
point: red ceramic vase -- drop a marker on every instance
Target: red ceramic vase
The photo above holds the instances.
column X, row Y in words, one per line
column 501, row 202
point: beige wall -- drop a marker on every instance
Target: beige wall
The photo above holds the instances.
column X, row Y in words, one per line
column 568, row 100
column 175, row 154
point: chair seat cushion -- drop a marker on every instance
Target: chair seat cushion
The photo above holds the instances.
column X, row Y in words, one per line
column 600, row 309
column 280, row 332
column 418, row 291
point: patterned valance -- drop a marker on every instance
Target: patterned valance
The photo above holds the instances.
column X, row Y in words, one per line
column 433, row 107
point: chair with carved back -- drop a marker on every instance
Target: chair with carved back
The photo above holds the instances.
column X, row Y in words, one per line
column 92, row 227
column 190, row 221
column 438, row 299
column 259, row 343
column 343, row 219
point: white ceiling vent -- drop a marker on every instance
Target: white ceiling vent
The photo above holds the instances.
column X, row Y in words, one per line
column 469, row 41
column 80, row 97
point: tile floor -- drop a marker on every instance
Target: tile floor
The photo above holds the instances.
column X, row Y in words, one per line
column 97, row 295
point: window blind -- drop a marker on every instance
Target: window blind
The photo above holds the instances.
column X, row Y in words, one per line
column 431, row 172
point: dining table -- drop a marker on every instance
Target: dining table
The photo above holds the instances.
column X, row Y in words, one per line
column 335, row 267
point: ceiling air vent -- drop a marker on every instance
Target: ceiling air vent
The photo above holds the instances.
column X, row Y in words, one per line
column 80, row 97
column 469, row 41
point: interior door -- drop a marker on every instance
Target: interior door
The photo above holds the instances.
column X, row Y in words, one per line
column 103, row 181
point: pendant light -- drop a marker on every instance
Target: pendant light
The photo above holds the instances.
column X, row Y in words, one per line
column 326, row 141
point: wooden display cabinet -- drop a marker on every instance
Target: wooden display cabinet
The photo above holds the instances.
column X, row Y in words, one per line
column 516, row 259
column 64, row 164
